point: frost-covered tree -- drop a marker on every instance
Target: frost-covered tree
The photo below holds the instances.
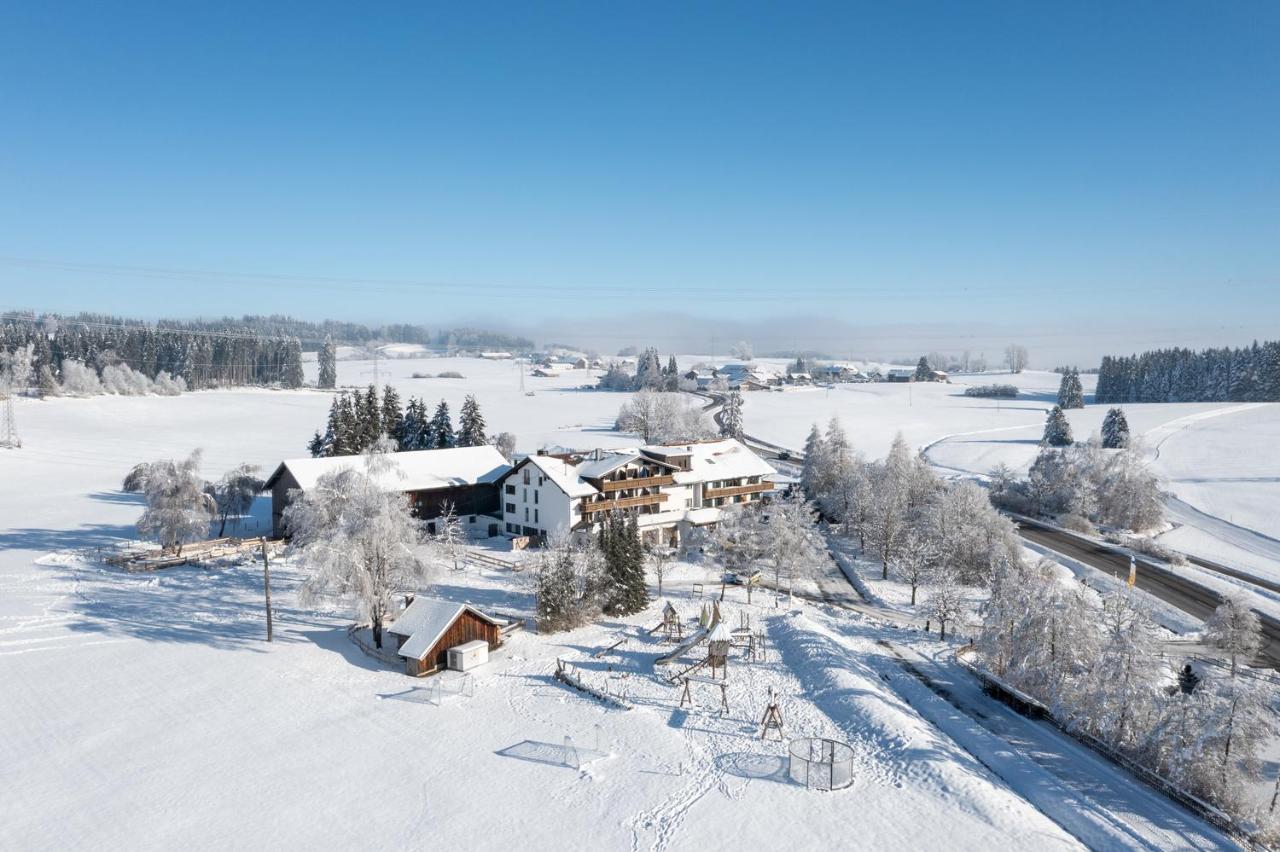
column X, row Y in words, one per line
column 177, row 508
column 1235, row 629
column 123, row 380
column 471, row 424
column 924, row 372
column 917, row 562
column 731, row 416
column 945, row 603
column 234, row 492
column 506, row 444
column 569, row 585
column 357, row 540
column 790, row 539
column 1070, row 391
column 1115, row 430
column 742, row 350
column 79, row 379
column 451, row 537
column 328, row 361
column 1119, row 691
column 663, row 418
column 887, row 520
column 815, row 463
column 16, row 369
column 167, row 385
column 1128, row 493
column 441, row 427
column 1057, row 429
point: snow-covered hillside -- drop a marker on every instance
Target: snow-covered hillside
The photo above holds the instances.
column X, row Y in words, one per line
column 145, row 711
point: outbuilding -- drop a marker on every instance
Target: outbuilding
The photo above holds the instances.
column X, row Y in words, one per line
column 429, row 627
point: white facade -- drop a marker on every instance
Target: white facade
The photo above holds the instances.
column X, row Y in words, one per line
column 669, row 488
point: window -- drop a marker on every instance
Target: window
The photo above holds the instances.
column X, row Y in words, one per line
column 524, row 498
column 526, row 513
column 511, row 489
column 472, row 519
column 526, row 476
column 511, row 508
column 535, row 516
column 541, row 480
column 535, row 498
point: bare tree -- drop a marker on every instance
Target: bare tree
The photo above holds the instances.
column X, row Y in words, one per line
column 1015, row 357
column 659, row 558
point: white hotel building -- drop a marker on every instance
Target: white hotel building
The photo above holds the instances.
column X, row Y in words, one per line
column 671, row 488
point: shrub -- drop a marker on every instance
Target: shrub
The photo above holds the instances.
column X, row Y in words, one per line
column 996, row 391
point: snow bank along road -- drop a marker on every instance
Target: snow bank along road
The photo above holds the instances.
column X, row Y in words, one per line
column 1089, row 797
column 1186, row 595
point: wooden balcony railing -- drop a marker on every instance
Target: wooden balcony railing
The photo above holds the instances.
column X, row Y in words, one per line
column 622, row 503
column 734, row 490
column 647, row 482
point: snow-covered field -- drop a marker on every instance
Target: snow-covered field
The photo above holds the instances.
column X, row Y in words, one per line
column 146, row 711
column 1221, row 460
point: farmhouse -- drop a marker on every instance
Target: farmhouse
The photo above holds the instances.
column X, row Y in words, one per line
column 671, row 489
column 429, row 627
column 900, row 375
column 465, row 478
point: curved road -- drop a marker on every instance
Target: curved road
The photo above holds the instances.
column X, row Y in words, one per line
column 1181, row 592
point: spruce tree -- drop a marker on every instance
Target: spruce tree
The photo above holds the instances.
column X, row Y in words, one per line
column 414, row 431
column 48, row 384
column 441, row 428
column 347, row 437
column 471, row 424
column 1115, row 430
column 731, row 416
column 1057, row 430
column 815, row 462
column 392, row 416
column 370, row 417
column 328, row 365
column 1070, row 391
column 924, row 373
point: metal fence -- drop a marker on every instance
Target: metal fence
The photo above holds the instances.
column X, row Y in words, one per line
column 821, row 764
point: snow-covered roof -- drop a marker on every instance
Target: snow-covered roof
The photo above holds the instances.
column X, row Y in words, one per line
column 418, row 470
column 720, row 633
column 597, row 467
column 712, row 460
column 564, row 475
column 425, row 621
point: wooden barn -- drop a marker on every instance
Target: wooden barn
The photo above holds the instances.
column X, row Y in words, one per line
column 429, row 627
column 464, row 478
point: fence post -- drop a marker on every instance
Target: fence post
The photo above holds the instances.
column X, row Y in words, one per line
column 266, row 583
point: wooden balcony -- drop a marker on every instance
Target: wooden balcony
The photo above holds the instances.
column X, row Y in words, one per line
column 735, row 490
column 608, row 485
column 622, row 503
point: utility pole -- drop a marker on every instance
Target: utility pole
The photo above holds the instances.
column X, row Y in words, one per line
column 266, row 582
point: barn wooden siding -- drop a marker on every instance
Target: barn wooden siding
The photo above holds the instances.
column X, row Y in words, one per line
column 467, row 627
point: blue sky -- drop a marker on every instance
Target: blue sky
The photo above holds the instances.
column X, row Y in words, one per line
column 429, row 162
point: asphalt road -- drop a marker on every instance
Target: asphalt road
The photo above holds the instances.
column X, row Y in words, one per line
column 1185, row 594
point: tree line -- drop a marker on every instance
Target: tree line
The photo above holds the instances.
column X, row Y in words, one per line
column 201, row 354
column 1246, row 374
column 358, row 420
